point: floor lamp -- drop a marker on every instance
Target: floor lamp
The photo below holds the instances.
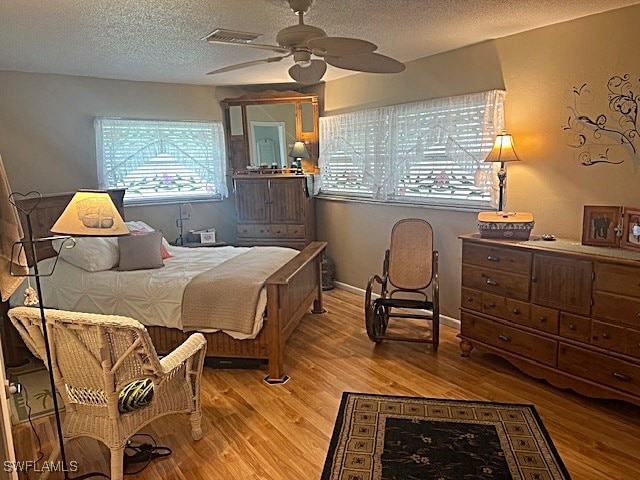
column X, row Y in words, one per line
column 89, row 213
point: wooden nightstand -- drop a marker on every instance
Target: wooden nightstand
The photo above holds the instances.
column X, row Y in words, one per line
column 198, row 244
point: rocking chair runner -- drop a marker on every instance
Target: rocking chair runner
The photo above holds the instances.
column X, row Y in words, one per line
column 98, row 357
column 410, row 267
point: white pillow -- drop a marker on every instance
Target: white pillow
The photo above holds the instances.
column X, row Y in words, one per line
column 93, row 254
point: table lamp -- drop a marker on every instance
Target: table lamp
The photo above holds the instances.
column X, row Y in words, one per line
column 502, row 152
column 298, row 152
column 501, row 224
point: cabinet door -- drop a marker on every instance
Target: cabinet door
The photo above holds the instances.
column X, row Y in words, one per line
column 287, row 200
column 562, row 283
column 252, row 200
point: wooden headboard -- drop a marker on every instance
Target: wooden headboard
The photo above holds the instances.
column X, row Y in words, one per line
column 46, row 212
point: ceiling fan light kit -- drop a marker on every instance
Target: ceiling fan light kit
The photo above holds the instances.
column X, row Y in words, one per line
column 303, row 41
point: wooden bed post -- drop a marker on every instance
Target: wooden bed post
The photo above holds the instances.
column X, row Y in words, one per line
column 317, row 303
column 274, row 337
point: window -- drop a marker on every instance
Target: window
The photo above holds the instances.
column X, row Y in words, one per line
column 160, row 161
column 425, row 152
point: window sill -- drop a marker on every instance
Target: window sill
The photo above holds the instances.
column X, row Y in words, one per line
column 392, row 203
column 169, row 201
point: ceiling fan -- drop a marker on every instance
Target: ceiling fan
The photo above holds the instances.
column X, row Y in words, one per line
column 304, row 41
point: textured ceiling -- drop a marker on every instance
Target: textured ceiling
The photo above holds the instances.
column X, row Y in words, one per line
column 159, row 40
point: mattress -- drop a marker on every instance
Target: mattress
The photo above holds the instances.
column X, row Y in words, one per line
column 153, row 297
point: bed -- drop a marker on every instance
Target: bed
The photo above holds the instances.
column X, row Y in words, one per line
column 289, row 292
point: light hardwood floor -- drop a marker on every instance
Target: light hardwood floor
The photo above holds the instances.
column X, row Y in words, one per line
column 255, row 431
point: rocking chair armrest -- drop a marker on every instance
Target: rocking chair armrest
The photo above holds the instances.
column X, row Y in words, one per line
column 189, row 348
column 375, row 278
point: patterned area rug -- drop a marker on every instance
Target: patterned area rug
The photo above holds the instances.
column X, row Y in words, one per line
column 35, row 396
column 379, row 437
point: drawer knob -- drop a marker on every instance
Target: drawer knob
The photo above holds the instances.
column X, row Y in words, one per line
column 492, row 282
column 492, row 305
column 543, row 319
column 504, row 338
column 638, row 314
column 516, row 311
column 606, row 336
column 278, row 231
column 469, row 299
column 621, row 376
column 572, row 327
column 493, row 258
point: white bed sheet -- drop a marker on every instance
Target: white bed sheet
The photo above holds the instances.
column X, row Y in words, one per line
column 153, row 297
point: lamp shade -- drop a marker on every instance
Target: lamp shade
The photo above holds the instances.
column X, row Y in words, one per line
column 90, row 213
column 502, row 150
column 299, row 150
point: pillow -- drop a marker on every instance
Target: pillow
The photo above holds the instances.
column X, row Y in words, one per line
column 93, row 254
column 140, row 252
column 136, row 227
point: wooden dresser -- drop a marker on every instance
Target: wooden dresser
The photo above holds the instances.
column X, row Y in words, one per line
column 274, row 210
column 570, row 316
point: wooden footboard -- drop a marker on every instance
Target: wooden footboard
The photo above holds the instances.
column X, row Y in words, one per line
column 290, row 292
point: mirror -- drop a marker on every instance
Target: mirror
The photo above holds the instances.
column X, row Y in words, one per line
column 261, row 128
column 272, row 131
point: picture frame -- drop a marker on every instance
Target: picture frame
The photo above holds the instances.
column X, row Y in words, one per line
column 630, row 229
column 601, row 225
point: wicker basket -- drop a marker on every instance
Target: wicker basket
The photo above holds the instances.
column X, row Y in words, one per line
column 505, row 226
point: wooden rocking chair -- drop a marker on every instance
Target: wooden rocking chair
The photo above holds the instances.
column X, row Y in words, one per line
column 410, row 267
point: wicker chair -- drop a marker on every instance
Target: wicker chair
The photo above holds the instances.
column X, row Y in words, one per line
column 410, row 267
column 94, row 357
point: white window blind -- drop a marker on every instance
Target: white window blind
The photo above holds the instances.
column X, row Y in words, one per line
column 159, row 161
column 424, row 152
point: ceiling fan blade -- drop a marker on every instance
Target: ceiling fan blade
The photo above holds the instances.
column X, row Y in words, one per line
column 246, row 64
column 273, row 48
column 340, row 46
column 367, row 62
column 308, row 75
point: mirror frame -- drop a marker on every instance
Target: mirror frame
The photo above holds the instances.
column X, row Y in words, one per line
column 238, row 145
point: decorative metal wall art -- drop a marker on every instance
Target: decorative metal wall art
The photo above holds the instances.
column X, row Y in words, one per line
column 599, row 138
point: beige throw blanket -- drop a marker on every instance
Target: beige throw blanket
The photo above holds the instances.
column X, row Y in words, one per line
column 226, row 296
column 10, row 232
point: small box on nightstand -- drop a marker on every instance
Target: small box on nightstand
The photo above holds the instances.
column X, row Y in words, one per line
column 202, row 236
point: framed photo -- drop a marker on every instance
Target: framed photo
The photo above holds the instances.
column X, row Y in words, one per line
column 631, row 229
column 601, row 226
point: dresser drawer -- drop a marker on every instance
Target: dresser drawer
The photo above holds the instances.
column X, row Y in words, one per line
column 471, row 299
column 599, row 368
column 493, row 305
column 271, row 231
column 633, row 343
column 611, row 337
column 575, row 327
column 517, row 311
column 496, row 282
column 625, row 310
column 619, row 279
column 544, row 318
column 510, row 339
column 497, row 258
